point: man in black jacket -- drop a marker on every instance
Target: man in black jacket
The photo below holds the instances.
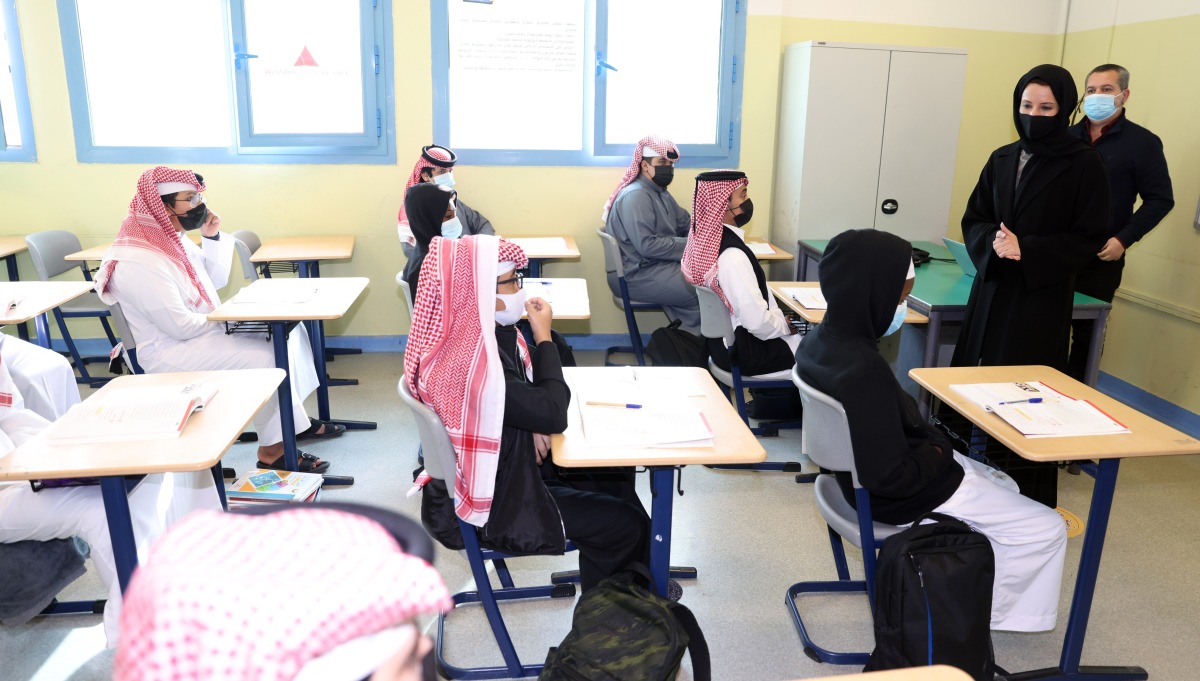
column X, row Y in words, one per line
column 1136, row 167
column 906, row 464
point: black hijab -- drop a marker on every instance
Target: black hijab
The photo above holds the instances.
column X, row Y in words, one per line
column 862, row 274
column 425, row 205
column 1059, row 142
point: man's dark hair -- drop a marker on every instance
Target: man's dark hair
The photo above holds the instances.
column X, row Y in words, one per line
column 1122, row 74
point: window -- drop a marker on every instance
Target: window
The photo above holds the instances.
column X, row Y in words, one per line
column 579, row 82
column 230, row 81
column 16, row 126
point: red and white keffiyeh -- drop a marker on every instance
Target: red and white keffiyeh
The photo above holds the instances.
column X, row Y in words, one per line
column 661, row 145
column 709, row 204
column 431, row 156
column 148, row 229
column 229, row 596
column 452, row 363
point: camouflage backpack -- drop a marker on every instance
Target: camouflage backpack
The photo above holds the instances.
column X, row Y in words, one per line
column 622, row 631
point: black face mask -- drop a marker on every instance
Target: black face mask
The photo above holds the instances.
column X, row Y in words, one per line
column 663, row 175
column 1037, row 127
column 194, row 218
column 740, row 219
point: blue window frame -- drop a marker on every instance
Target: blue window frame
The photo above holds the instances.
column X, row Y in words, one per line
column 17, row 143
column 245, row 81
column 607, row 71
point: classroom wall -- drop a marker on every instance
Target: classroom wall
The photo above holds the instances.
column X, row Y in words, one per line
column 1155, row 326
column 1003, row 40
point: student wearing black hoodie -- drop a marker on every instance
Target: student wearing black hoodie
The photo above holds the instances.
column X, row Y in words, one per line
column 907, row 465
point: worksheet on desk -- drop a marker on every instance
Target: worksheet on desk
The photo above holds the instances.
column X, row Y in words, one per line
column 638, row 386
column 809, row 297
column 760, row 248
column 1036, row 410
column 615, row 426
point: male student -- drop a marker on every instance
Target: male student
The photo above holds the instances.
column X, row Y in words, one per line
column 1136, row 167
column 44, row 377
column 906, row 464
column 436, row 165
column 651, row 230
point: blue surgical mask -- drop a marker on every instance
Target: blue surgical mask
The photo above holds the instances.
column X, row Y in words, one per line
column 514, row 307
column 445, row 179
column 452, row 228
column 897, row 319
column 1099, row 107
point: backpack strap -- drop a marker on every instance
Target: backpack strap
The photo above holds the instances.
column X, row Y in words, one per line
column 942, row 518
column 697, row 646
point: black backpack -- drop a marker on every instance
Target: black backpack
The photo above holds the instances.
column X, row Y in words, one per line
column 671, row 346
column 933, row 599
column 622, row 631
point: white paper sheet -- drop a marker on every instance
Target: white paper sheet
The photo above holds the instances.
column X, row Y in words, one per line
column 760, row 248
column 810, row 297
column 1056, row 415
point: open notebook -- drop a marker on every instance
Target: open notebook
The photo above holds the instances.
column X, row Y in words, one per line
column 148, row 413
column 1037, row 410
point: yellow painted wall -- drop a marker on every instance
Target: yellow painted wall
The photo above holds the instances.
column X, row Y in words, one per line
column 1152, row 348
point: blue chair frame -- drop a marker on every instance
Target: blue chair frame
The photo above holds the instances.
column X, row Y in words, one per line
column 826, row 441
column 612, row 263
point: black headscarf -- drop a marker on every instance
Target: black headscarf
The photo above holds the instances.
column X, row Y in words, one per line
column 862, row 274
column 425, row 204
column 1059, row 142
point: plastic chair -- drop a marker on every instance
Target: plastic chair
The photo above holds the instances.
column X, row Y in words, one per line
column 408, row 296
column 48, row 251
column 440, row 465
column 246, row 243
column 128, row 344
column 612, row 263
column 826, row 440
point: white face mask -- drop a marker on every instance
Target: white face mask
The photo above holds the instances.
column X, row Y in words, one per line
column 445, row 179
column 897, row 319
column 452, row 228
column 514, row 307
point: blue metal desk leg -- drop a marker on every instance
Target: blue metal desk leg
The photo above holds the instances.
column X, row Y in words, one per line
column 120, row 527
column 662, row 485
column 11, row 262
column 1085, row 589
column 312, row 269
column 318, row 337
column 286, row 420
column 535, row 268
column 43, row 330
column 1095, row 348
column 933, row 339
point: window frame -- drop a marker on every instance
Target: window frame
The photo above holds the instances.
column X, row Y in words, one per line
column 378, row 87
column 27, row 152
column 595, row 152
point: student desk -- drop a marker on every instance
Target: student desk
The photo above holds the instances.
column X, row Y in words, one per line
column 812, row 249
column 35, row 299
column 204, row 440
column 568, row 298
column 939, row 672
column 732, row 443
column 1148, row 437
column 96, row 253
column 10, row 246
column 778, row 254
column 306, row 251
column 816, row 316
column 540, row 248
column 277, row 306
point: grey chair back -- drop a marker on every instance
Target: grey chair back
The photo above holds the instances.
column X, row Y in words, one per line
column 246, row 243
column 440, row 460
column 49, row 249
column 612, row 253
column 123, row 329
column 403, row 283
column 714, row 316
column 826, row 436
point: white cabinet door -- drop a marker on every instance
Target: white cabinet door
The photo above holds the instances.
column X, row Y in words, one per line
column 920, row 141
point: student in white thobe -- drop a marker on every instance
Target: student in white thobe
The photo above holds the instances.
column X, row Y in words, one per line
column 157, row 502
column 44, row 377
column 167, row 285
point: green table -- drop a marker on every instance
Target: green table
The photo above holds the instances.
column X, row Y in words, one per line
column 941, row 292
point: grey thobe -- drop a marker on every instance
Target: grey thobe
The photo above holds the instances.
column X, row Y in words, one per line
column 651, row 229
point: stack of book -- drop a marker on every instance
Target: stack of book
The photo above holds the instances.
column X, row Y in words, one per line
column 258, row 486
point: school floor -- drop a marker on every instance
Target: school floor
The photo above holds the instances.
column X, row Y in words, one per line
column 751, row 535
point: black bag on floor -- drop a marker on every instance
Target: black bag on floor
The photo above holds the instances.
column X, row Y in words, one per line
column 933, row 599
column 671, row 346
column 622, row 631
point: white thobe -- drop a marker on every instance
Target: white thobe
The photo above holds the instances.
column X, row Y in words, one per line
column 748, row 308
column 173, row 335
column 154, row 505
column 44, row 377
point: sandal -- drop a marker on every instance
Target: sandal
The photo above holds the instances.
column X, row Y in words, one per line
column 331, row 430
column 308, row 463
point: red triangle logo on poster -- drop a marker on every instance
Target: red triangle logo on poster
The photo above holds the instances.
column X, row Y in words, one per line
column 305, row 58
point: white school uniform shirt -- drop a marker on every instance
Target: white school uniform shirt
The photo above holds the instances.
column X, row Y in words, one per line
column 748, row 309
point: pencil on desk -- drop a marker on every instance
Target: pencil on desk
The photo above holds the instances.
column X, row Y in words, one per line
column 593, row 403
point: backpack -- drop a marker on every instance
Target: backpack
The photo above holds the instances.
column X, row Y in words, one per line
column 622, row 631
column 933, row 598
column 671, row 346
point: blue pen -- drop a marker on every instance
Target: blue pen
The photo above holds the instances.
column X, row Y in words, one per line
column 613, row 404
column 1032, row 400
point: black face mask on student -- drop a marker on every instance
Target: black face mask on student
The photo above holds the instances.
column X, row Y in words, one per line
column 663, row 175
column 194, row 218
column 740, row 219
